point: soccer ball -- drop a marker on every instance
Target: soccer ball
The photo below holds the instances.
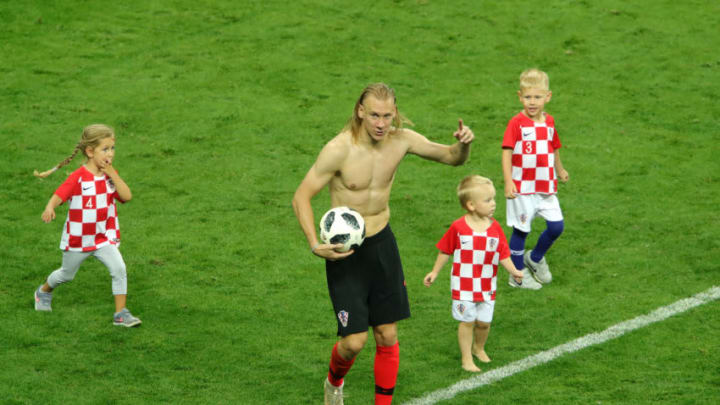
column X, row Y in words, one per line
column 342, row 225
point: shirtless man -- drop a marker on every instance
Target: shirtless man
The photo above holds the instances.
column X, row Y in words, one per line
column 367, row 285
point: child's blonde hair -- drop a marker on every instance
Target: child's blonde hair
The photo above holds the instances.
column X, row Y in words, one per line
column 468, row 185
column 91, row 137
column 534, row 79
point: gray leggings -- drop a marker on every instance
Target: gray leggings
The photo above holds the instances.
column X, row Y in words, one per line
column 109, row 255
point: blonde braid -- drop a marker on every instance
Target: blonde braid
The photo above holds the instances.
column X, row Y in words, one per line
column 61, row 164
column 91, row 136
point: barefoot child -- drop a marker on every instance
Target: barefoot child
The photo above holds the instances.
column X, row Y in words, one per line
column 91, row 227
column 477, row 244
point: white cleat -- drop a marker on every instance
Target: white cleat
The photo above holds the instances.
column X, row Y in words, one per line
column 333, row 394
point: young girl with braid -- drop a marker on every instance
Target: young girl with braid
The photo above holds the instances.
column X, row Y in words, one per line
column 91, row 227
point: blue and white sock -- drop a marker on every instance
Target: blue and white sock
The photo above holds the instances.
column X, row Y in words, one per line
column 547, row 238
column 517, row 248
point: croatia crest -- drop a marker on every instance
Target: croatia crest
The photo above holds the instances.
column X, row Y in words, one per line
column 343, row 317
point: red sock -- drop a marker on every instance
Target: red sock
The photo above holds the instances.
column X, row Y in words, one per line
column 338, row 367
column 387, row 362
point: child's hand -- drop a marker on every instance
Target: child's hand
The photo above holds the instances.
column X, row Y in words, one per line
column 108, row 169
column 510, row 190
column 48, row 215
column 563, row 175
column 429, row 279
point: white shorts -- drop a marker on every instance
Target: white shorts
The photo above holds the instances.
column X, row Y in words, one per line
column 522, row 209
column 469, row 311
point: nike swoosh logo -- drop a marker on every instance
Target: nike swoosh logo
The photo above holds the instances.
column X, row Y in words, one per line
column 87, row 188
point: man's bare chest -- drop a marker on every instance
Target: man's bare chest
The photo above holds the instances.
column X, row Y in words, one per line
column 370, row 170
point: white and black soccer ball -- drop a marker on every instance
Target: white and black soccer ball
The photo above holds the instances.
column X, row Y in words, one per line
column 342, row 225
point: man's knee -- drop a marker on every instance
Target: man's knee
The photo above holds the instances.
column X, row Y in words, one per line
column 351, row 345
column 385, row 335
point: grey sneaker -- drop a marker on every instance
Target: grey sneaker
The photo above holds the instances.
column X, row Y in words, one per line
column 126, row 319
column 333, row 394
column 43, row 300
column 527, row 282
column 539, row 270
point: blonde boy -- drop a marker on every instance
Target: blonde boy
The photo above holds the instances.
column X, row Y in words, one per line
column 477, row 244
column 531, row 168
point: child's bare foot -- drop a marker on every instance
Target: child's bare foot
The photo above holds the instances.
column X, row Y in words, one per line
column 482, row 356
column 471, row 368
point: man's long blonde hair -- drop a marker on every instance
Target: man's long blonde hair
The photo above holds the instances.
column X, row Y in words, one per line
column 380, row 91
column 91, row 137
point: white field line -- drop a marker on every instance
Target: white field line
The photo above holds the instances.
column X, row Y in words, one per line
column 591, row 339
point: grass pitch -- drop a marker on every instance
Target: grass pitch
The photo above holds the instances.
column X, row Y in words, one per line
column 221, row 107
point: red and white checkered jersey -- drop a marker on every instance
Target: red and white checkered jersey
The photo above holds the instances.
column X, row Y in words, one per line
column 533, row 147
column 475, row 259
column 92, row 217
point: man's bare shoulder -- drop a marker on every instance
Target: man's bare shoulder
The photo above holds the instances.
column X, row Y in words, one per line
column 410, row 138
column 339, row 145
column 343, row 139
column 334, row 152
column 407, row 135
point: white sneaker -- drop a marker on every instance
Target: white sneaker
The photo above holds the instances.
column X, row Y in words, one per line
column 43, row 300
column 528, row 282
column 126, row 319
column 539, row 270
column 333, row 394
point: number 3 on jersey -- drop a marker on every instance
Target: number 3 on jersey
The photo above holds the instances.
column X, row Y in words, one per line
column 529, row 147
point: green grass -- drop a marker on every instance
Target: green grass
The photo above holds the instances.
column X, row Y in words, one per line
column 220, row 108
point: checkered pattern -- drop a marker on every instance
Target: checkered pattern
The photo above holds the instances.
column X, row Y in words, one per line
column 475, row 260
column 533, row 159
column 92, row 218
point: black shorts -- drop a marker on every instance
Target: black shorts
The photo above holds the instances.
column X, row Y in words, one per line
column 368, row 287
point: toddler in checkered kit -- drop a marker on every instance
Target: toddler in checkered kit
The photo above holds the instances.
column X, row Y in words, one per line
column 91, row 227
column 531, row 169
column 477, row 244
